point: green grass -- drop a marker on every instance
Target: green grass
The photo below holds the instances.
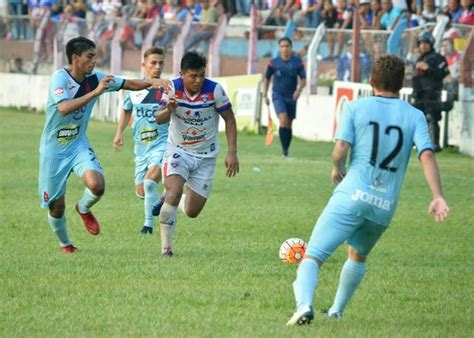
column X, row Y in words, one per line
column 226, row 279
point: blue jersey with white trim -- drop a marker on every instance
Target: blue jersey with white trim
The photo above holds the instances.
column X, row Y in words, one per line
column 194, row 126
column 382, row 132
column 148, row 135
column 64, row 135
column 286, row 74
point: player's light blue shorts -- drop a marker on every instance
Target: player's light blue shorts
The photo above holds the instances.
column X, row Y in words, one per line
column 284, row 104
column 54, row 172
column 337, row 225
column 142, row 163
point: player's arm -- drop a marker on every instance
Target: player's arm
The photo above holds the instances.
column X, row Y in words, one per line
column 140, row 84
column 438, row 206
column 68, row 106
column 266, row 83
column 164, row 114
column 339, row 157
column 231, row 160
column 299, row 89
column 122, row 124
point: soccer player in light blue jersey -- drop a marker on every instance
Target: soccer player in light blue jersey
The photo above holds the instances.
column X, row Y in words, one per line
column 150, row 138
column 64, row 147
column 379, row 131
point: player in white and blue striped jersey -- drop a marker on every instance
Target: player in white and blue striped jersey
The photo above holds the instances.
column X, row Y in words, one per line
column 379, row 132
column 65, row 148
column 150, row 138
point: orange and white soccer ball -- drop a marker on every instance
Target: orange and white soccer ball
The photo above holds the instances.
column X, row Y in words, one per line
column 292, row 250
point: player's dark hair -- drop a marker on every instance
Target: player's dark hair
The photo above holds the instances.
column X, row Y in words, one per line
column 153, row 50
column 285, row 39
column 388, row 72
column 78, row 46
column 193, row 60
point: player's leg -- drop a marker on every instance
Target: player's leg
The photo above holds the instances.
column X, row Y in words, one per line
column 354, row 269
column 87, row 166
column 199, row 186
column 175, row 169
column 53, row 175
column 331, row 230
column 152, row 178
column 140, row 170
column 140, row 191
column 284, row 129
column 291, row 115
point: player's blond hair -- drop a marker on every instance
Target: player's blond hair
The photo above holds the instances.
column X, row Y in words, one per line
column 153, row 50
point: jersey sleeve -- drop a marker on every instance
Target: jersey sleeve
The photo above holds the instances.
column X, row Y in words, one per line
column 115, row 84
column 222, row 100
column 58, row 88
column 270, row 71
column 301, row 70
column 167, row 93
column 127, row 102
column 421, row 137
column 345, row 130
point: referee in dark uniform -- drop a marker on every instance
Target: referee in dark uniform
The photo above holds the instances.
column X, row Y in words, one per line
column 286, row 69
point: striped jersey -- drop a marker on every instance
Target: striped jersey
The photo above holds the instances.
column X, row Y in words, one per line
column 194, row 126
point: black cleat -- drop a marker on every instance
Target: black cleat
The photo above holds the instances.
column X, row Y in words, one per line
column 146, row 230
column 301, row 317
column 157, row 207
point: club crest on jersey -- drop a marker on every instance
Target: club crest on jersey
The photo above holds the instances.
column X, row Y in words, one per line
column 204, row 98
column 376, row 201
column 59, row 91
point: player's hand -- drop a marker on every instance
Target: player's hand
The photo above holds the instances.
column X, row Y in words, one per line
column 231, row 164
column 422, row 65
column 439, row 208
column 296, row 95
column 160, row 84
column 104, row 83
column 267, row 100
column 172, row 104
column 337, row 175
column 117, row 142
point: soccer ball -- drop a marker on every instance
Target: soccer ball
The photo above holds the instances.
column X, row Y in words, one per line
column 292, row 250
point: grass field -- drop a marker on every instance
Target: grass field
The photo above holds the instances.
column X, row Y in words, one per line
column 225, row 279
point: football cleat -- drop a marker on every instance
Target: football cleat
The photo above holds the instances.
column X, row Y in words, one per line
column 68, row 249
column 146, row 230
column 167, row 253
column 301, row 317
column 90, row 222
column 157, row 207
column 335, row 315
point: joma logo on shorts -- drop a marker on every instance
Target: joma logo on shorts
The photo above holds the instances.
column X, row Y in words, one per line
column 376, row 201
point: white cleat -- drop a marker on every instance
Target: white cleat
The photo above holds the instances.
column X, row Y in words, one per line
column 301, row 317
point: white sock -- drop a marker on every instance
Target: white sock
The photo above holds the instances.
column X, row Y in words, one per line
column 182, row 203
column 151, row 197
column 59, row 227
column 87, row 201
column 168, row 219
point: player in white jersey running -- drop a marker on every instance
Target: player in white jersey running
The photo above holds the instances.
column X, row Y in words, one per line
column 64, row 147
column 150, row 138
column 379, row 131
column 193, row 106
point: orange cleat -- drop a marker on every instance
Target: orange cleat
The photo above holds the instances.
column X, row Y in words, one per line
column 68, row 249
column 90, row 222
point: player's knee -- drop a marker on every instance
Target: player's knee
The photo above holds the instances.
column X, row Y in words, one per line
column 56, row 210
column 354, row 256
column 97, row 188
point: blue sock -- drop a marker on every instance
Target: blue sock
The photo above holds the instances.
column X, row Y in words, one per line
column 306, row 282
column 352, row 274
column 151, row 198
column 87, row 201
column 59, row 227
column 285, row 139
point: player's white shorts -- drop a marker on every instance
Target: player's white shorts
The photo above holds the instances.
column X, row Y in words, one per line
column 142, row 163
column 337, row 225
column 198, row 172
column 54, row 172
